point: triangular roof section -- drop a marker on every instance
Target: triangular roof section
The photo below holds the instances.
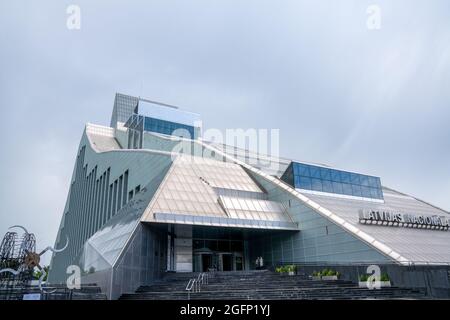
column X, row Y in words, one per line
column 201, row 191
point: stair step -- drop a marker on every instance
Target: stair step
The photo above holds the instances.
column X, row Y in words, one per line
column 263, row 285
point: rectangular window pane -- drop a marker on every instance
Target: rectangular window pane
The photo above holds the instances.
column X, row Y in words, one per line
column 356, row 190
column 303, row 170
column 325, row 173
column 364, row 180
column 354, row 179
column 316, row 184
column 335, row 175
column 315, row 172
column 345, row 177
column 327, row 186
column 366, row 192
column 373, row 182
column 347, row 189
column 305, row 183
column 337, row 188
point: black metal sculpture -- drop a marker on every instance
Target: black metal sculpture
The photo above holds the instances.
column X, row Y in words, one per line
column 18, row 258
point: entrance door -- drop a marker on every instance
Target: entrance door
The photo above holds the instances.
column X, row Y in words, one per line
column 206, row 262
column 227, row 262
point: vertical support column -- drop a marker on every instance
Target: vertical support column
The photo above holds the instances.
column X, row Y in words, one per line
column 183, row 248
column 246, row 256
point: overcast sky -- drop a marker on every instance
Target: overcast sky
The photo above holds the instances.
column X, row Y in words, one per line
column 373, row 101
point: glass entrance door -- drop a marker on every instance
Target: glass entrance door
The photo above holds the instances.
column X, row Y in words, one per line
column 227, row 262
column 206, row 262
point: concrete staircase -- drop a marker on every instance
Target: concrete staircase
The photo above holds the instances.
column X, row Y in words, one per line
column 263, row 285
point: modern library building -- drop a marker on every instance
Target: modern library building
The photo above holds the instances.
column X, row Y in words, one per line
column 149, row 196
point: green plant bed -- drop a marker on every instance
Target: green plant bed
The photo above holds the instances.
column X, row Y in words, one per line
column 384, row 281
column 287, row 269
column 326, row 274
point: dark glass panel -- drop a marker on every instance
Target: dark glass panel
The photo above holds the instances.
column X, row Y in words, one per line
column 304, row 170
column 354, row 179
column 315, row 172
column 337, row 188
column 198, row 244
column 325, row 173
column 316, row 184
column 335, row 175
column 373, row 182
column 345, row 177
column 347, row 189
column 356, row 190
column 211, row 244
column 374, row 193
column 327, row 186
column 366, row 192
column 237, row 246
column 364, row 180
column 304, row 183
column 224, row 245
column 296, row 168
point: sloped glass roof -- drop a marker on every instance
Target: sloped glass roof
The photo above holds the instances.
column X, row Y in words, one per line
column 194, row 192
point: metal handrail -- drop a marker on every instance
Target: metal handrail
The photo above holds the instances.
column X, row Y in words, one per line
column 194, row 284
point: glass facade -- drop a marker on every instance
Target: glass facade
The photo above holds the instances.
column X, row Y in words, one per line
column 167, row 127
column 137, row 124
column 315, row 178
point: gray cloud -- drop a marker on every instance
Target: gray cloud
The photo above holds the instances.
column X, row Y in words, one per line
column 370, row 101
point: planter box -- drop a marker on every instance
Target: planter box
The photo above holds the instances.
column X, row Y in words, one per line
column 329, row 277
column 316, row 278
column 292, row 273
column 383, row 284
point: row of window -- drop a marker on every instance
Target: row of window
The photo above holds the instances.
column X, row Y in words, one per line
column 314, row 184
column 166, row 127
column 305, row 170
column 93, row 202
column 218, row 245
column 315, row 178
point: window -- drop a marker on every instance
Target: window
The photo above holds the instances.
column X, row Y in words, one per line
column 119, row 193
column 305, row 183
column 356, row 190
column 364, row 180
column 114, row 198
column 325, row 173
column 354, row 178
column 315, row 172
column 347, row 189
column 335, row 176
column 327, row 186
column 337, row 188
column 125, row 188
column 316, row 184
column 345, row 177
column 315, row 178
column 304, row 170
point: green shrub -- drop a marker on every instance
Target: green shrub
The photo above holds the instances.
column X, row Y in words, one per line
column 384, row 277
column 325, row 273
column 365, row 277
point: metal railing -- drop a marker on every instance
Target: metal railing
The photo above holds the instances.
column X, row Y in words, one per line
column 195, row 284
